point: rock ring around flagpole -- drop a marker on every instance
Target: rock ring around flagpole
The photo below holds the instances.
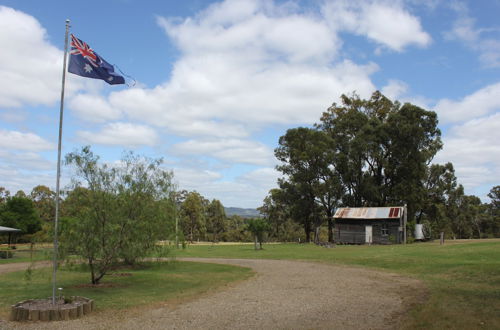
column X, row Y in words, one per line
column 43, row 310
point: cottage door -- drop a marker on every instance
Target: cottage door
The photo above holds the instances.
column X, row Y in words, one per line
column 368, row 235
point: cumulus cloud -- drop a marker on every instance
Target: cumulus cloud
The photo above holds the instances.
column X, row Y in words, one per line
column 93, row 108
column 232, row 150
column 243, row 65
column 247, row 190
column 15, row 140
column 121, row 134
column 484, row 40
column 26, row 160
column 27, row 79
column 480, row 103
column 395, row 89
column 473, row 150
column 385, row 22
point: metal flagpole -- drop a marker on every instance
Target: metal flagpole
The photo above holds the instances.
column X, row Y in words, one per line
column 56, row 242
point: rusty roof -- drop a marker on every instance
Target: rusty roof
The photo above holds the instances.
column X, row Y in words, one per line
column 392, row 212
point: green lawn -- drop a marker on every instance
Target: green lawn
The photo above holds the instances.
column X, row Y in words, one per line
column 463, row 277
column 155, row 282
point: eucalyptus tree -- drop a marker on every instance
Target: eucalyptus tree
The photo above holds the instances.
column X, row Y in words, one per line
column 310, row 180
column 216, row 219
column 382, row 149
column 193, row 218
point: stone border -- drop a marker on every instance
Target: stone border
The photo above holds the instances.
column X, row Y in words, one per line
column 28, row 311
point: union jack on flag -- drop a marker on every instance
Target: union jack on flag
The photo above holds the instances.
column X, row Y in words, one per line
column 85, row 62
column 82, row 48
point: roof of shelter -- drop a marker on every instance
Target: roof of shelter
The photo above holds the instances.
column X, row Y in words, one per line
column 8, row 229
column 393, row 212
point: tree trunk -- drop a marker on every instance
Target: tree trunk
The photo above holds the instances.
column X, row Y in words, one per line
column 256, row 247
column 330, row 229
column 316, row 235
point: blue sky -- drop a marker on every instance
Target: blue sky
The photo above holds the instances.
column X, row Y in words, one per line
column 219, row 82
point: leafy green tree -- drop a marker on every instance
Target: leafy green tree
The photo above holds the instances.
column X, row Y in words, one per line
column 193, row 216
column 20, row 213
column 493, row 208
column 216, row 219
column 382, row 149
column 116, row 213
column 258, row 227
column 44, row 201
column 4, row 195
column 276, row 212
column 308, row 163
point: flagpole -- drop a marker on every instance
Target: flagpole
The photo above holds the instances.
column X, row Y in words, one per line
column 61, row 109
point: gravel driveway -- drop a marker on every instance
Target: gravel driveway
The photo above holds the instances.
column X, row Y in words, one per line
column 282, row 295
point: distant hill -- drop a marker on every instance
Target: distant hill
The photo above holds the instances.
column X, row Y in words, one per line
column 245, row 213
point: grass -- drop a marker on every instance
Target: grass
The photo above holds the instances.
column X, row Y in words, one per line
column 23, row 253
column 151, row 283
column 463, row 277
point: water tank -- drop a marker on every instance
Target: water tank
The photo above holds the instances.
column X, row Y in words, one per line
column 419, row 231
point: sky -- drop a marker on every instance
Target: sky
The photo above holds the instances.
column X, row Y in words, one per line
column 218, row 82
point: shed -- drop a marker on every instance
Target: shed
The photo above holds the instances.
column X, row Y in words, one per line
column 9, row 231
column 367, row 225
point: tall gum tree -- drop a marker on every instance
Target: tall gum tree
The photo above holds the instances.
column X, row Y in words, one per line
column 382, row 149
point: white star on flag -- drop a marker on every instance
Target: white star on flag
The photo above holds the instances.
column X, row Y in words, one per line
column 87, row 68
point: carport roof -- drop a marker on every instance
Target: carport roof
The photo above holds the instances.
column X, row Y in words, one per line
column 8, row 229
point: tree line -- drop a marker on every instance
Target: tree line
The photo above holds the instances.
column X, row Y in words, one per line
column 112, row 214
column 369, row 153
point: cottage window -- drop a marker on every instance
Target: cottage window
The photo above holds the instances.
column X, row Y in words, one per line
column 385, row 230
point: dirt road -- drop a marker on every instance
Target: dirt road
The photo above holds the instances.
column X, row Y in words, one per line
column 282, row 295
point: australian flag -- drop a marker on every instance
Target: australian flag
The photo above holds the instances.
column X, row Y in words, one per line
column 84, row 62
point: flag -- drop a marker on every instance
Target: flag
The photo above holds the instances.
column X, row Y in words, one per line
column 83, row 61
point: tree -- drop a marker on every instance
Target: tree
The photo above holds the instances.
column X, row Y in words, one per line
column 4, row 195
column 493, row 209
column 216, row 217
column 258, row 227
column 44, row 201
column 382, row 149
column 193, row 216
column 308, row 163
column 20, row 213
column 116, row 213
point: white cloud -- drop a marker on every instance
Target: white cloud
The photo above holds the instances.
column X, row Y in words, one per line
column 122, row 134
column 245, row 65
column 15, row 140
column 30, row 66
column 27, row 78
column 395, row 89
column 480, row 103
column 473, row 149
column 483, row 40
column 258, row 29
column 26, row 160
column 93, row 108
column 232, row 150
column 386, row 23
column 247, row 190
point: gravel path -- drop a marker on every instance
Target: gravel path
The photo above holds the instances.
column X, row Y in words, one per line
column 282, row 295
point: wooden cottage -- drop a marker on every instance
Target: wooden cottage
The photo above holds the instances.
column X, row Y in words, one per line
column 367, row 225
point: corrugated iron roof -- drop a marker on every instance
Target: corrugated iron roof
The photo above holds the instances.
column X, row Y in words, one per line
column 393, row 212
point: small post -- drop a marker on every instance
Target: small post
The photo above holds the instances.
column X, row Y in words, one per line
column 176, row 229
column 61, row 110
column 405, row 219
